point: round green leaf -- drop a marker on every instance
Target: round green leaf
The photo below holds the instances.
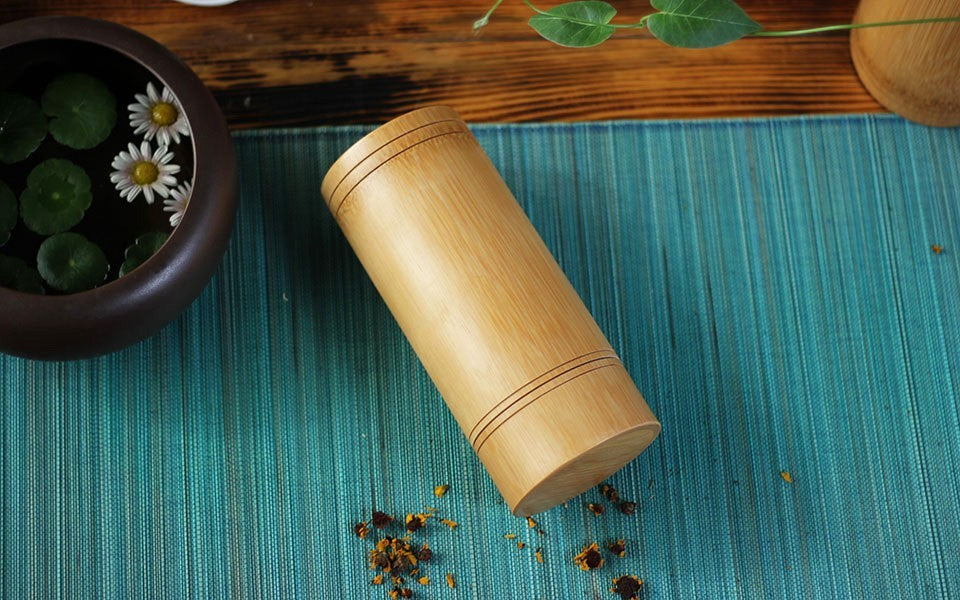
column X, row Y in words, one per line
column 140, row 250
column 83, row 110
column 57, row 195
column 18, row 275
column 8, row 212
column 22, row 127
column 699, row 23
column 578, row 24
column 71, row 263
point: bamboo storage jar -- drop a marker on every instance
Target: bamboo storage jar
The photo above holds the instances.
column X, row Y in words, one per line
column 913, row 70
column 530, row 378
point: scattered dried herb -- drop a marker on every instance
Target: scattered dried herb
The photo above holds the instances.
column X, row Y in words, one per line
column 415, row 522
column 509, row 536
column 381, row 520
column 786, row 476
column 627, row 587
column 425, row 554
column 531, row 524
column 424, row 580
column 440, row 490
column 521, row 545
column 449, row 523
column 610, row 493
column 618, row 547
column 378, row 580
column 450, row 581
column 589, row 558
column 627, row 507
column 937, row 248
column 539, row 554
column 596, row 509
column 394, row 556
column 361, row 530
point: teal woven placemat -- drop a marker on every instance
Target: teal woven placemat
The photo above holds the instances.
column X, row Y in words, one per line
column 770, row 284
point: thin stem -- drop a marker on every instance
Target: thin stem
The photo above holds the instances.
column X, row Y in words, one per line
column 855, row 26
column 482, row 21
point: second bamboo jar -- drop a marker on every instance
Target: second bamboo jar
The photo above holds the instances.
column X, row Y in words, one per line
column 530, row 378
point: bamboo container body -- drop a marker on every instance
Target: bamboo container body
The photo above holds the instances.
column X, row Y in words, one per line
column 913, row 70
column 528, row 375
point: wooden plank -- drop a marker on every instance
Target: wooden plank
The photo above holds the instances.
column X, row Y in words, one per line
column 302, row 62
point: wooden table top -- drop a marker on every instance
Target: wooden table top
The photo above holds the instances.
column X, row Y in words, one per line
column 303, row 62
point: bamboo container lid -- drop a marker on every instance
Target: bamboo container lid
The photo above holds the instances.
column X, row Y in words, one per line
column 913, row 70
column 532, row 381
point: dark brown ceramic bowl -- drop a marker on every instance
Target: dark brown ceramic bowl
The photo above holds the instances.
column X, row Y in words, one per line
column 135, row 306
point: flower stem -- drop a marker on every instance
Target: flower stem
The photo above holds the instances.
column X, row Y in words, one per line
column 855, row 26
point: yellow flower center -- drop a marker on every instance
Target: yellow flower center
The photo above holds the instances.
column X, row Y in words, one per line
column 164, row 114
column 144, row 173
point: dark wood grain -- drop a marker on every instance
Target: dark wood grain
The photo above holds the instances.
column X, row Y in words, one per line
column 299, row 62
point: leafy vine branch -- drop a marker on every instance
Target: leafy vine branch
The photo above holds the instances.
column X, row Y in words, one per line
column 678, row 23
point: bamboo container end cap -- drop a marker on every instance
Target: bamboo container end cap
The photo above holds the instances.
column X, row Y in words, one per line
column 587, row 470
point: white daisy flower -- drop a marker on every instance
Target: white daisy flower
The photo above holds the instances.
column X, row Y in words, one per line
column 158, row 115
column 177, row 203
column 143, row 170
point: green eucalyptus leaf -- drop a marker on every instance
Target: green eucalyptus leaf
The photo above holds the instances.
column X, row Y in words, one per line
column 82, row 108
column 140, row 250
column 576, row 24
column 699, row 23
column 57, row 195
column 70, row 263
column 8, row 212
column 15, row 274
column 22, row 127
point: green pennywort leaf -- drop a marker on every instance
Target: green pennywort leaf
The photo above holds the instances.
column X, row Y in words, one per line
column 83, row 110
column 57, row 195
column 575, row 24
column 8, row 212
column 699, row 23
column 22, row 127
column 15, row 274
column 71, row 263
column 140, row 250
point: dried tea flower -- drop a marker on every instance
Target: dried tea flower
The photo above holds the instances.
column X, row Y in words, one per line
column 406, row 593
column 786, row 476
column 378, row 580
column 610, row 493
column 509, row 536
column 539, row 555
column 449, row 523
column 589, row 558
column 627, row 507
column 937, row 248
column 596, row 509
column 415, row 522
column 381, row 520
column 425, row 554
column 361, row 530
column 424, row 580
column 531, row 523
column 450, row 581
column 627, row 587
column 440, row 490
column 521, row 545
column 618, row 547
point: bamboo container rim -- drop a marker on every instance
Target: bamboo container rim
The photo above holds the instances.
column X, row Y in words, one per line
column 390, row 133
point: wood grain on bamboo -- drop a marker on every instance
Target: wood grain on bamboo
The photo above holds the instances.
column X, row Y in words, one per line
column 530, row 378
column 914, row 70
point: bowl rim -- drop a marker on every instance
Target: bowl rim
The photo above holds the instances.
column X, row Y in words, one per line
column 207, row 130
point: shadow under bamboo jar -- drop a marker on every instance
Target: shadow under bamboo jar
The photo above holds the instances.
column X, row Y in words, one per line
column 913, row 70
column 526, row 371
